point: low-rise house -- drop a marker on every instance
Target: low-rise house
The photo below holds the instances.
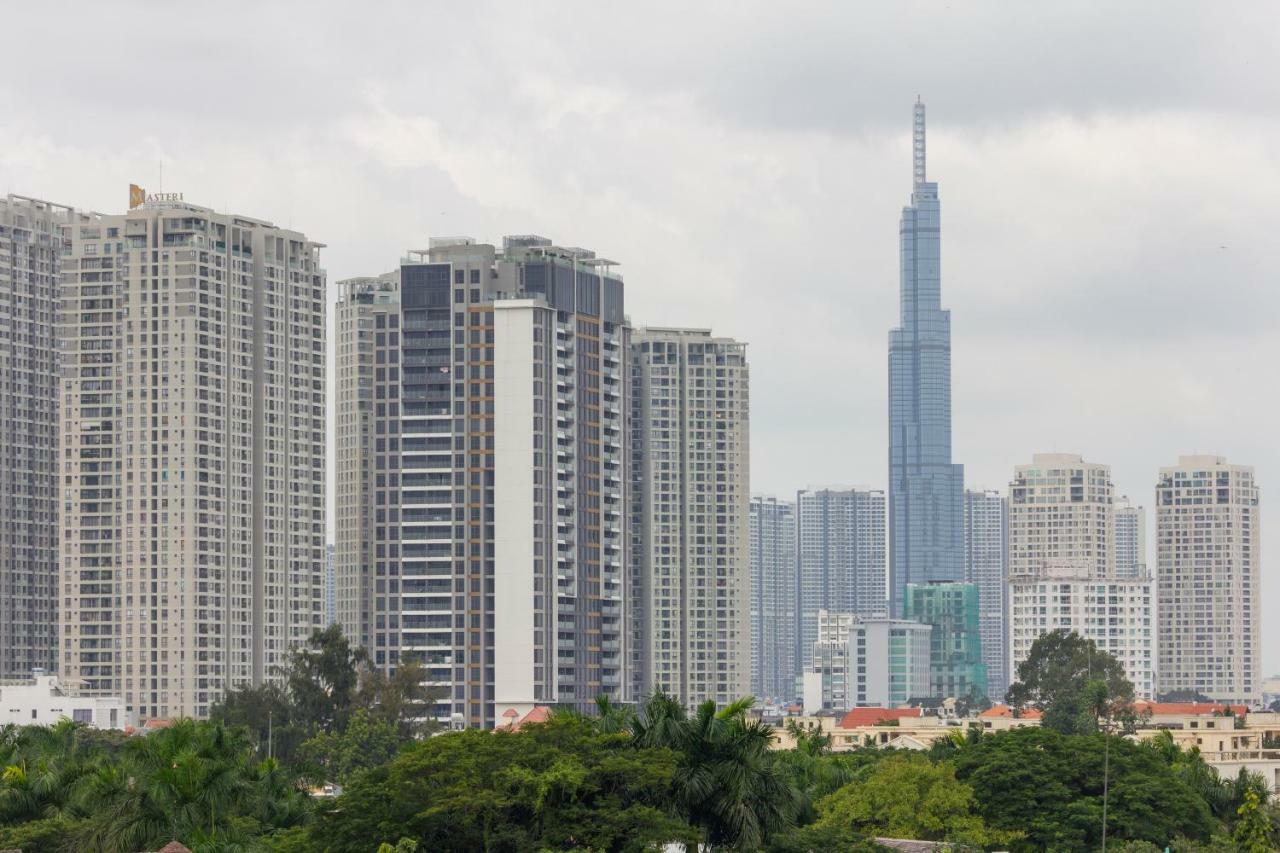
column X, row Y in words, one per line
column 43, row 700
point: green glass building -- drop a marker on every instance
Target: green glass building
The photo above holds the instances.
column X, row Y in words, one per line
column 955, row 649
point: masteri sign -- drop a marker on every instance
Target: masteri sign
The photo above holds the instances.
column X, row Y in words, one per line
column 139, row 196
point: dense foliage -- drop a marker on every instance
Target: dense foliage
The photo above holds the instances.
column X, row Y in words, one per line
column 1073, row 683
column 618, row 779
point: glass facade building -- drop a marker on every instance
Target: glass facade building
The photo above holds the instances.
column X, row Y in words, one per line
column 926, row 491
column 955, row 652
column 773, row 598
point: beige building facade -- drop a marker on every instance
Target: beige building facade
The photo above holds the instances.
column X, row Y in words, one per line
column 192, row 437
column 30, row 259
column 1209, row 576
column 690, row 503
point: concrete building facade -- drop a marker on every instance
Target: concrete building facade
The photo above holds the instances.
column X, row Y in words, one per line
column 986, row 565
column 690, row 514
column 30, row 260
column 1208, row 579
column 482, row 524
column 774, row 629
column 841, row 550
column 1130, row 539
column 1062, row 567
column 192, row 432
column 862, row 661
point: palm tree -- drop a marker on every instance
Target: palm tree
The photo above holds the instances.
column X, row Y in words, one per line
column 727, row 781
column 189, row 778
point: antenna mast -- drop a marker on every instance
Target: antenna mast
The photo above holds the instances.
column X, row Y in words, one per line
column 917, row 141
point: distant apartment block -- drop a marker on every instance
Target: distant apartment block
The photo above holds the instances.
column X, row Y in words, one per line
column 774, row 629
column 690, row 506
column 30, row 260
column 482, row 494
column 956, row 668
column 1130, row 539
column 1062, row 567
column 986, row 561
column 841, row 543
column 862, row 661
column 1209, row 576
column 192, row 437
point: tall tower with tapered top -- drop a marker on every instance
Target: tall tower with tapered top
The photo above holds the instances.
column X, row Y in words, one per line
column 926, row 491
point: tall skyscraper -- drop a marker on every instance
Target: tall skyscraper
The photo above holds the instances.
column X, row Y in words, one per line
column 774, row 637
column 956, row 669
column 482, row 495
column 986, row 560
column 192, row 434
column 30, row 257
column 368, row 480
column 691, row 488
column 330, row 585
column 841, row 547
column 926, row 491
column 1130, row 539
column 1209, row 573
column 1062, row 567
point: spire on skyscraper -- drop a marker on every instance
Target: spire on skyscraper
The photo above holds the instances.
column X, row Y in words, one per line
column 917, row 139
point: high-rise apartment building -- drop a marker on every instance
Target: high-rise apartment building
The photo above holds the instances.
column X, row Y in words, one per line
column 690, row 496
column 860, row 661
column 1118, row 614
column 30, row 257
column 1061, row 515
column 986, row 558
column 841, row 546
column 926, row 491
column 956, row 670
column 1130, row 539
column 1062, row 571
column 192, row 438
column 1209, row 573
column 773, row 599
column 369, row 359
column 482, row 512
column 330, row 585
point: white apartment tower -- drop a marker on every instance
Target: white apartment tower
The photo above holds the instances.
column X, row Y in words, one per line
column 986, row 558
column 482, row 499
column 690, row 495
column 1130, row 539
column 773, row 599
column 192, row 439
column 30, row 257
column 1208, row 574
column 859, row 661
column 1062, row 567
column 842, row 556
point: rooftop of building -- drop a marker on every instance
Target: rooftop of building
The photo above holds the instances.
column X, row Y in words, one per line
column 876, row 716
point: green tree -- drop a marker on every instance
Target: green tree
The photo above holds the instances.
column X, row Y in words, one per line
column 267, row 712
column 323, row 676
column 1050, row 786
column 1253, row 827
column 1056, row 679
column 559, row 785
column 401, row 699
column 908, row 797
column 365, row 742
column 727, row 781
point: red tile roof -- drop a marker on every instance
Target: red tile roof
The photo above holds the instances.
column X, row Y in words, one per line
column 1006, row 711
column 873, row 716
column 540, row 714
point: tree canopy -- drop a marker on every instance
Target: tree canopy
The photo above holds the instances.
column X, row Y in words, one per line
column 1072, row 682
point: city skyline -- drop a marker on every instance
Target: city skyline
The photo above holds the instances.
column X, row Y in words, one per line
column 1042, row 172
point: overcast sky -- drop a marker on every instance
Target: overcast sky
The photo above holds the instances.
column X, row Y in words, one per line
column 1109, row 176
